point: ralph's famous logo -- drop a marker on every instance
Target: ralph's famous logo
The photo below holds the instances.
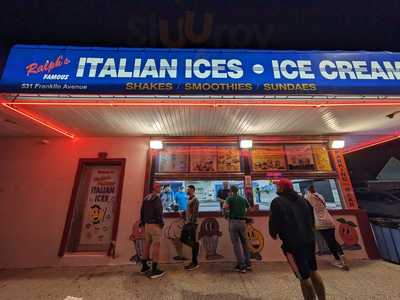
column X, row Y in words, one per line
column 48, row 66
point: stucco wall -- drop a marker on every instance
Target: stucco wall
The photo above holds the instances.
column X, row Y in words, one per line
column 264, row 248
column 36, row 182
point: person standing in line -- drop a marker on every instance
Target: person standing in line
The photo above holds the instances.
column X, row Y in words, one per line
column 258, row 195
column 151, row 217
column 181, row 204
column 181, row 198
column 189, row 230
column 238, row 206
column 292, row 220
column 222, row 194
column 325, row 225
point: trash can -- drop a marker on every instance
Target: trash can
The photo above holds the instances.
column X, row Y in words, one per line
column 387, row 237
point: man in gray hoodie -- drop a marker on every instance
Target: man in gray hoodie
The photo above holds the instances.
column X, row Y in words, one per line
column 151, row 217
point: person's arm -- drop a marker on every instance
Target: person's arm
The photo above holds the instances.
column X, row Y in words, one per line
column 159, row 211
column 275, row 220
column 227, row 203
column 141, row 216
column 220, row 197
column 247, row 203
column 132, row 236
column 311, row 211
column 195, row 211
column 321, row 198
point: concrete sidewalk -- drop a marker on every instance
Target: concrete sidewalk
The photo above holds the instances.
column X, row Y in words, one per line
column 366, row 280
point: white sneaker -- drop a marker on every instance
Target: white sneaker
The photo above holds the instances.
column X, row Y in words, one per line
column 337, row 264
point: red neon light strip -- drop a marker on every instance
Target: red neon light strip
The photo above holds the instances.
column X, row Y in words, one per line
column 371, row 144
column 213, row 104
column 35, row 119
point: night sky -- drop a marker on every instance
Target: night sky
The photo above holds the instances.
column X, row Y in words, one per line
column 258, row 24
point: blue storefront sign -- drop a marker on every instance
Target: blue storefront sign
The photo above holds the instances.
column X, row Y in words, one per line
column 82, row 70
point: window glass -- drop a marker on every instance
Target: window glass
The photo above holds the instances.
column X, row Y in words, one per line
column 264, row 191
column 174, row 198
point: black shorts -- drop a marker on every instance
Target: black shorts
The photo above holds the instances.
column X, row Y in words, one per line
column 302, row 260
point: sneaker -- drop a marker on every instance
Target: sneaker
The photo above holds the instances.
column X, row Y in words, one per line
column 180, row 258
column 145, row 269
column 337, row 264
column 241, row 269
column 248, row 267
column 156, row 274
column 192, row 267
column 346, row 268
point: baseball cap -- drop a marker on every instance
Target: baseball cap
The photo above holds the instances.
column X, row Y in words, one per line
column 285, row 184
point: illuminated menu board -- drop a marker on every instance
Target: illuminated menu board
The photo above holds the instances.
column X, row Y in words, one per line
column 299, row 157
column 268, row 158
column 228, row 159
column 321, row 157
column 203, row 159
column 173, row 160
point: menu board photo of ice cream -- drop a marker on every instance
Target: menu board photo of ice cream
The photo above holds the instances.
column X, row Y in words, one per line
column 203, row 159
column 173, row 160
column 228, row 159
column 321, row 157
column 268, row 158
column 299, row 157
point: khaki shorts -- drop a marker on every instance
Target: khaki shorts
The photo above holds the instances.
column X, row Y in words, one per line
column 152, row 233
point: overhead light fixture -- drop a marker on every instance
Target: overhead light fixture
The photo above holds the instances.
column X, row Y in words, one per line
column 156, row 144
column 246, row 144
column 337, row 144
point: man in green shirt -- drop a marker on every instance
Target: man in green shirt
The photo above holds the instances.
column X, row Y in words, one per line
column 238, row 206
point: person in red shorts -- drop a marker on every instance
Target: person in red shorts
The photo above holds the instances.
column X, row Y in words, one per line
column 292, row 220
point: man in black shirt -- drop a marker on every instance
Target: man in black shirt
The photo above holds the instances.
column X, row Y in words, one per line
column 151, row 217
column 292, row 220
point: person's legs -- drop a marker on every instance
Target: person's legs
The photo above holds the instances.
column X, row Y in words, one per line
column 329, row 237
column 303, row 263
column 155, row 232
column 146, row 248
column 195, row 252
column 179, row 250
column 234, row 232
column 156, row 237
column 334, row 246
column 318, row 285
column 195, row 245
column 243, row 241
column 192, row 242
column 307, row 289
column 314, row 275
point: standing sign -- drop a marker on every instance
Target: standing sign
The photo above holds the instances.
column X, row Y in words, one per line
column 93, row 214
column 57, row 69
column 99, row 212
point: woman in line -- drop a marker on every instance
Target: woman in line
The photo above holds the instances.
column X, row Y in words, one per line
column 325, row 225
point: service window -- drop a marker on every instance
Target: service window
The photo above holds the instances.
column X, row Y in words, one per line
column 264, row 191
column 174, row 198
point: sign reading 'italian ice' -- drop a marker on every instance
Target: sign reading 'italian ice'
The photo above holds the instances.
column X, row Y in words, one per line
column 55, row 69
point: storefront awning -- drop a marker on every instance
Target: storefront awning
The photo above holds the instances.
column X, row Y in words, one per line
column 83, row 70
column 124, row 92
